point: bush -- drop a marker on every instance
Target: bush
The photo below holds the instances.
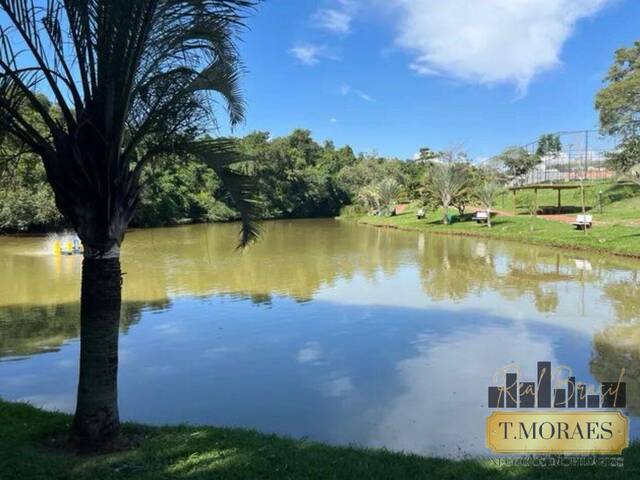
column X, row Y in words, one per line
column 26, row 200
column 353, row 211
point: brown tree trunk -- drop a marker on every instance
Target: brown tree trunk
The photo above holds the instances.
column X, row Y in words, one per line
column 96, row 420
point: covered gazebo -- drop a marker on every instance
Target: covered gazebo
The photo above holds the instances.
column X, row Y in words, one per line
column 543, row 186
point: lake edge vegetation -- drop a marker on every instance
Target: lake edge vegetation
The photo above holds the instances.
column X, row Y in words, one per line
column 34, row 446
column 620, row 240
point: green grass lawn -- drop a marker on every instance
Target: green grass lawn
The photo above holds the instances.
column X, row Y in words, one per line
column 606, row 201
column 611, row 238
column 32, row 446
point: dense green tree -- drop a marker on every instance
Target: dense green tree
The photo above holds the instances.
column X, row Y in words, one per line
column 625, row 157
column 549, row 144
column 177, row 189
column 618, row 103
column 26, row 199
column 518, row 161
column 414, row 173
column 297, row 177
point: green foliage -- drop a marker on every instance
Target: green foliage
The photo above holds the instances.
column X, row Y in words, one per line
column 549, row 144
column 353, row 211
column 529, row 202
column 590, row 197
column 296, row 176
column 448, row 181
column 487, row 192
column 518, row 161
column 625, row 157
column 381, row 197
column 26, row 200
column 22, row 208
column 606, row 237
column 132, row 81
column 618, row 103
column 389, row 192
column 427, row 155
column 176, row 189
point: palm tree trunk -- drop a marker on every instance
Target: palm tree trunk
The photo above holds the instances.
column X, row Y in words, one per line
column 96, row 421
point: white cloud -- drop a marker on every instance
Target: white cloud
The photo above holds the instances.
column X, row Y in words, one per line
column 346, row 90
column 492, row 41
column 335, row 21
column 310, row 54
column 306, row 54
column 338, row 387
column 333, row 120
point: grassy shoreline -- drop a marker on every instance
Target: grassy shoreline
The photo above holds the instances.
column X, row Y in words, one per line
column 32, row 446
column 616, row 239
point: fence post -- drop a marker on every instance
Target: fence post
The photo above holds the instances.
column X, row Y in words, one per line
column 586, row 152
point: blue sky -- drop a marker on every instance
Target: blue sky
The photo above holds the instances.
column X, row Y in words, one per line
column 392, row 76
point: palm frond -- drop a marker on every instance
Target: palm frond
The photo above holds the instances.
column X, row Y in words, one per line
column 124, row 74
column 232, row 167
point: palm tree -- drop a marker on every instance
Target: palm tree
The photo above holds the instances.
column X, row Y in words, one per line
column 132, row 80
column 447, row 181
column 486, row 193
column 381, row 196
column 389, row 191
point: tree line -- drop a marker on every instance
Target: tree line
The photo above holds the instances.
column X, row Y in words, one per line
column 296, row 177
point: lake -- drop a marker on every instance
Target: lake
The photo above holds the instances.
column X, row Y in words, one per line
column 324, row 329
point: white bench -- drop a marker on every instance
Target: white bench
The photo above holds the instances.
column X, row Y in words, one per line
column 481, row 216
column 583, row 221
column 420, row 214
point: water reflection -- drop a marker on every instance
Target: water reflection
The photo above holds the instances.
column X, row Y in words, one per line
column 324, row 329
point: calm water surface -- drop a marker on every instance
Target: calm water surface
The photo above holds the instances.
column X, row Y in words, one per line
column 324, row 329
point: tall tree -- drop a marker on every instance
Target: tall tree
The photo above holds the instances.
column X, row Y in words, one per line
column 518, row 161
column 487, row 192
column 618, row 104
column 448, row 179
column 389, row 193
column 549, row 145
column 132, row 80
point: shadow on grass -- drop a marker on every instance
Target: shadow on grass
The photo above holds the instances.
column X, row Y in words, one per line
column 28, row 452
column 631, row 235
column 616, row 193
column 564, row 210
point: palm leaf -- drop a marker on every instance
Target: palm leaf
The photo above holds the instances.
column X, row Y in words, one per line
column 232, row 168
